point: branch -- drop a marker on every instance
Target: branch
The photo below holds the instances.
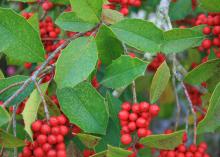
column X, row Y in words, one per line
column 134, row 92
column 192, row 110
column 43, row 100
column 14, row 124
column 43, row 66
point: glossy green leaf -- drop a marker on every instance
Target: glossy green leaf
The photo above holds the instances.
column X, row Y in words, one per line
column 85, row 107
column 135, row 33
column 11, row 80
column 89, row 141
column 116, row 151
column 110, row 16
column 18, row 39
column 31, row 108
column 210, row 5
column 140, row 34
column 203, row 72
column 4, row 116
column 88, row 10
column 163, row 141
column 212, row 119
column 177, row 40
column 70, row 22
column 123, row 71
column 9, row 141
column 159, row 82
column 145, row 152
column 108, row 52
column 180, row 9
column 79, row 54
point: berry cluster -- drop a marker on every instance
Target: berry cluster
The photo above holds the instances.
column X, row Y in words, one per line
column 183, row 151
column 212, row 30
column 48, row 138
column 136, row 118
column 157, row 61
column 194, row 95
column 124, row 5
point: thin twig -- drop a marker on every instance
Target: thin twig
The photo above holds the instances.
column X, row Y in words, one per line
column 37, row 72
column 134, row 92
column 11, row 86
column 192, row 110
column 43, row 100
column 14, row 124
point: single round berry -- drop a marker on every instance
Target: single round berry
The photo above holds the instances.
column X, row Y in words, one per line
column 126, row 139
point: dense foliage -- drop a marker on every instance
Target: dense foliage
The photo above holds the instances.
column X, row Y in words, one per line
column 109, row 78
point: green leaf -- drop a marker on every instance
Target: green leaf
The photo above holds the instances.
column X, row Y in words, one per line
column 163, row 141
column 11, row 80
column 177, row 40
column 108, row 52
column 145, row 152
column 123, row 71
column 9, row 141
column 88, row 10
column 18, row 39
column 180, row 9
column 89, row 141
column 110, row 16
column 69, row 21
column 212, row 119
column 34, row 21
column 85, row 107
column 113, row 152
column 31, row 108
column 116, row 151
column 159, row 82
column 141, row 34
column 210, row 5
column 79, row 54
column 4, row 116
column 135, row 33
column 203, row 72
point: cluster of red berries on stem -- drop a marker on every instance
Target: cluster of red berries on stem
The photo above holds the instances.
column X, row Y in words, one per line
column 156, row 62
column 48, row 138
column 124, row 5
column 136, row 118
column 212, row 30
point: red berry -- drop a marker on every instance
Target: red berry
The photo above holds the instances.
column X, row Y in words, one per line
column 126, row 139
column 126, row 106
column 132, row 126
column 64, row 130
column 141, row 122
column 207, row 30
column 36, row 126
column 52, row 139
column 136, row 108
column 61, row 153
column 42, row 139
column 133, row 116
column 206, row 43
column 51, row 153
column 46, row 147
column 53, row 121
column 123, row 115
column 142, row 132
column 45, row 129
column 154, row 110
column 144, row 106
column 62, row 120
column 38, row 152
